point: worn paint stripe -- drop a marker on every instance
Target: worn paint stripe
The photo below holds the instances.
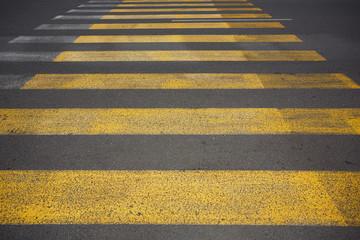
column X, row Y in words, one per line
column 180, row 197
column 232, row 20
column 164, row 10
column 232, row 55
column 28, row 56
column 184, row 9
column 64, row 27
column 183, row 25
column 159, row 16
column 190, row 81
column 88, row 10
column 185, row 38
column 186, row 4
column 44, row 39
column 166, row 16
column 155, row 38
column 228, row 121
column 166, row 5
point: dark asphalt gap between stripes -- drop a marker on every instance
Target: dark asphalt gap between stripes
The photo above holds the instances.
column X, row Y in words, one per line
column 171, row 152
column 259, row 98
column 175, row 232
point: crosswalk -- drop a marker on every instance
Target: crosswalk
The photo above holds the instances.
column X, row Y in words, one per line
column 158, row 196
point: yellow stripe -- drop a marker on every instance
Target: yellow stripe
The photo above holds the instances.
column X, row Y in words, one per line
column 165, row 16
column 179, row 121
column 184, row 9
column 187, row 25
column 185, row 4
column 189, row 81
column 186, row 38
column 180, row 197
column 232, row 55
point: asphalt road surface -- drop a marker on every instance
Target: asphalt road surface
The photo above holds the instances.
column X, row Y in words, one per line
column 193, row 119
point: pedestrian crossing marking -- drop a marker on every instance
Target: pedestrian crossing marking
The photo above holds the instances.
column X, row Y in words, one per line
column 185, row 38
column 322, row 198
column 184, row 9
column 305, row 198
column 176, row 5
column 185, row 25
column 167, row 5
column 161, row 10
column 189, row 81
column 218, row 121
column 174, row 16
column 196, row 55
column 155, row 38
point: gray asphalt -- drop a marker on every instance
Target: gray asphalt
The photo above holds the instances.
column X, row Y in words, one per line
column 330, row 27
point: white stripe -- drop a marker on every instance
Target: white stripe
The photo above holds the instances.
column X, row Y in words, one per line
column 97, row 5
column 77, row 17
column 28, row 56
column 64, row 27
column 88, row 10
column 44, row 39
column 105, row 2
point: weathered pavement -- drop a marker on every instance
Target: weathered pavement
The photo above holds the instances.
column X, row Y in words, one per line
column 235, row 119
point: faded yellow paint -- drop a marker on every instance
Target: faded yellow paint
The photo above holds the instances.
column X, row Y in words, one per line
column 184, row 9
column 228, row 121
column 173, row 16
column 185, row 38
column 180, row 197
column 212, row 55
column 189, row 81
column 212, row 25
column 185, row 4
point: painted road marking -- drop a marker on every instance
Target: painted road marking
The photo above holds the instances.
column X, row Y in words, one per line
column 162, row 55
column 44, row 39
column 188, row 81
column 28, row 56
column 159, row 16
column 88, row 10
column 207, row 121
column 186, row 38
column 155, row 38
column 231, row 20
column 181, row 25
column 64, row 27
column 166, row 5
column 159, row 26
column 242, row 15
column 185, row 9
column 323, row 198
column 165, row 10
